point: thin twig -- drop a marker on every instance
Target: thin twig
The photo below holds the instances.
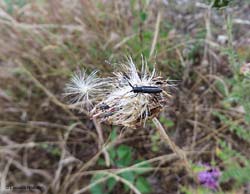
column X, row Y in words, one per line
column 101, row 141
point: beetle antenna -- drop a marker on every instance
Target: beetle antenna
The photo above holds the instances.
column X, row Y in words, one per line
column 128, row 81
column 130, row 84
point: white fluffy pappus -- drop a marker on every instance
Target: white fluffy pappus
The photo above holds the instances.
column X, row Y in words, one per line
column 85, row 90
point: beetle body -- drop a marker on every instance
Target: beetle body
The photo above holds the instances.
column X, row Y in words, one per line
column 146, row 89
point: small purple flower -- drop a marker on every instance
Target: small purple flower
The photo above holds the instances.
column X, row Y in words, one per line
column 209, row 177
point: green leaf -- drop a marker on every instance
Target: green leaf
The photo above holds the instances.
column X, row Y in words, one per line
column 221, row 87
column 124, row 154
column 97, row 189
column 142, row 185
column 247, row 118
column 129, row 175
column 169, row 123
column 112, row 153
column 166, row 122
column 111, row 182
column 111, row 150
column 220, row 3
column 101, row 162
column 155, row 142
column 123, row 151
column 123, row 162
column 143, row 16
column 144, row 165
column 241, row 175
column 113, row 135
column 155, row 148
column 56, row 151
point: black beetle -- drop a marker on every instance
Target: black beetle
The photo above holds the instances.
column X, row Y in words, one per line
column 145, row 89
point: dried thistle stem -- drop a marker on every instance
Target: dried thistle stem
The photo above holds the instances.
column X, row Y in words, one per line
column 178, row 151
column 101, row 141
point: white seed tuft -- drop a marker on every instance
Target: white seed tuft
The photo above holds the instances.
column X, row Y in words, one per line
column 86, row 89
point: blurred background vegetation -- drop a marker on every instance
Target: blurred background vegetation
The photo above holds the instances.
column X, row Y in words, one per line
column 201, row 45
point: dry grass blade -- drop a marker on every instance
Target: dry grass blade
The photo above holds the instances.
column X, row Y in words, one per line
column 157, row 28
column 173, row 146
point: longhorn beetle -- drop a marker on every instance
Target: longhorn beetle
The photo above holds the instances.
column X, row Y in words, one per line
column 145, row 89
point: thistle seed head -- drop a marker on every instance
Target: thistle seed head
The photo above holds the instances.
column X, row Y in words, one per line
column 129, row 98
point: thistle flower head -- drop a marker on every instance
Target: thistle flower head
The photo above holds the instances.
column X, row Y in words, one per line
column 209, row 177
column 127, row 107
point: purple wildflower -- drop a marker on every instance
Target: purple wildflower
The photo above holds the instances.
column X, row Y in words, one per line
column 209, row 177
